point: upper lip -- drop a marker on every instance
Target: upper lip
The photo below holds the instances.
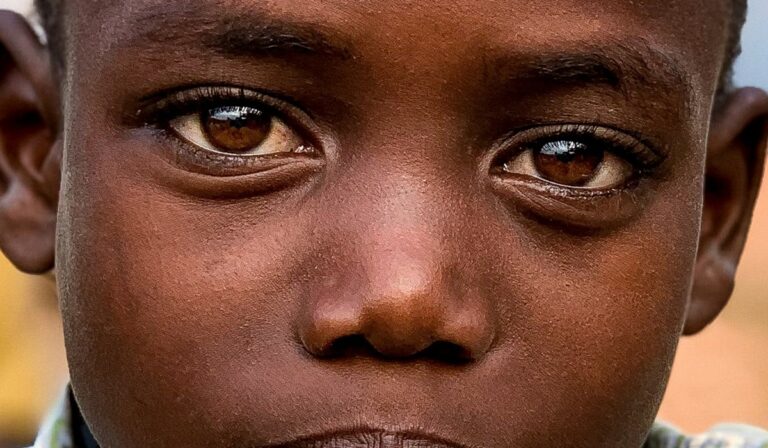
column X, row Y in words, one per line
column 370, row 437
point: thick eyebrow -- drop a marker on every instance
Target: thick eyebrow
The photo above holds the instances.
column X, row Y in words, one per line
column 622, row 66
column 274, row 38
column 240, row 35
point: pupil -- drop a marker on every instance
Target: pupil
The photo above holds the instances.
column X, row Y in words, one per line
column 236, row 129
column 568, row 162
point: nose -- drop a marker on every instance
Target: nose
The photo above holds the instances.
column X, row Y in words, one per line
column 400, row 295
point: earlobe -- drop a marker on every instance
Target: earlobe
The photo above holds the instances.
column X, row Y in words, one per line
column 29, row 159
column 735, row 160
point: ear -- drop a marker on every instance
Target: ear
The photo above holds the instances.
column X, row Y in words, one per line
column 735, row 159
column 29, row 147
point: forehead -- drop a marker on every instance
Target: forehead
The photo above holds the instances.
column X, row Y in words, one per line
column 507, row 13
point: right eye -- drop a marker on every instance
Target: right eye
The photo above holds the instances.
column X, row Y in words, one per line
column 239, row 130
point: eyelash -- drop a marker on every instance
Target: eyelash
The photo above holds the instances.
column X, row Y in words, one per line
column 161, row 108
column 158, row 113
column 641, row 154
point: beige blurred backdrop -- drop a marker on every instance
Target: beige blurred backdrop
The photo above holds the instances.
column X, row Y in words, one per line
column 719, row 375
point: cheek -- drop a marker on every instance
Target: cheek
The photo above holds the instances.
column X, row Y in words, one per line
column 597, row 321
column 163, row 296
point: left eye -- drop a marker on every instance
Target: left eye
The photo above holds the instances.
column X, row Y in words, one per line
column 571, row 163
column 239, row 130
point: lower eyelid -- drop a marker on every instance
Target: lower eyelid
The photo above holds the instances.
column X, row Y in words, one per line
column 197, row 161
column 272, row 177
column 571, row 209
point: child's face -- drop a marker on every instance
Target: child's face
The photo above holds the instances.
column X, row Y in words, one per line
column 475, row 221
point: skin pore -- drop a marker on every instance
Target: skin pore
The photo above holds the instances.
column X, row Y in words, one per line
column 378, row 223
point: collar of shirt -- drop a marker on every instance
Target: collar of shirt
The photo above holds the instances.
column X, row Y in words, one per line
column 56, row 430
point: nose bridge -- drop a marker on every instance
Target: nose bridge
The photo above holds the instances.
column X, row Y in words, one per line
column 404, row 240
column 399, row 286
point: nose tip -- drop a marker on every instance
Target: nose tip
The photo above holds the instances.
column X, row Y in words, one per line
column 401, row 326
column 386, row 327
column 406, row 318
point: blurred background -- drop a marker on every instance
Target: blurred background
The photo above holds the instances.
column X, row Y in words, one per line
column 719, row 375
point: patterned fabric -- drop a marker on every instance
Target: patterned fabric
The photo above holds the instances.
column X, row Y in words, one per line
column 721, row 436
column 56, row 432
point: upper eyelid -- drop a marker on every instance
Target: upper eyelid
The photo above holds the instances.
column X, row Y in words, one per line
column 162, row 106
column 635, row 146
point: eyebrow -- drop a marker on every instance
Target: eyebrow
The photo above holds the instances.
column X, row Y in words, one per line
column 620, row 66
column 245, row 35
column 274, row 38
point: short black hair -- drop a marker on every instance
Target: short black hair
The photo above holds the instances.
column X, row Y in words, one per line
column 50, row 12
column 738, row 18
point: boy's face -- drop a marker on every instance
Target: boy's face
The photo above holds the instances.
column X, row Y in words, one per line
column 378, row 223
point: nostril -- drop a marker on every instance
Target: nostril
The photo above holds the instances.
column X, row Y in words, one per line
column 354, row 346
column 447, row 352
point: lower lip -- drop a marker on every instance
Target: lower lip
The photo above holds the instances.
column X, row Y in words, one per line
column 372, row 439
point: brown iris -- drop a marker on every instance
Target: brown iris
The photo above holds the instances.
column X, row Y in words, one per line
column 567, row 162
column 236, row 129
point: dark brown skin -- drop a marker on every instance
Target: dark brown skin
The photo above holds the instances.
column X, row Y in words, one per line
column 398, row 275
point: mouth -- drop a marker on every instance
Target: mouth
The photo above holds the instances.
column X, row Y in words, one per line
column 370, row 439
